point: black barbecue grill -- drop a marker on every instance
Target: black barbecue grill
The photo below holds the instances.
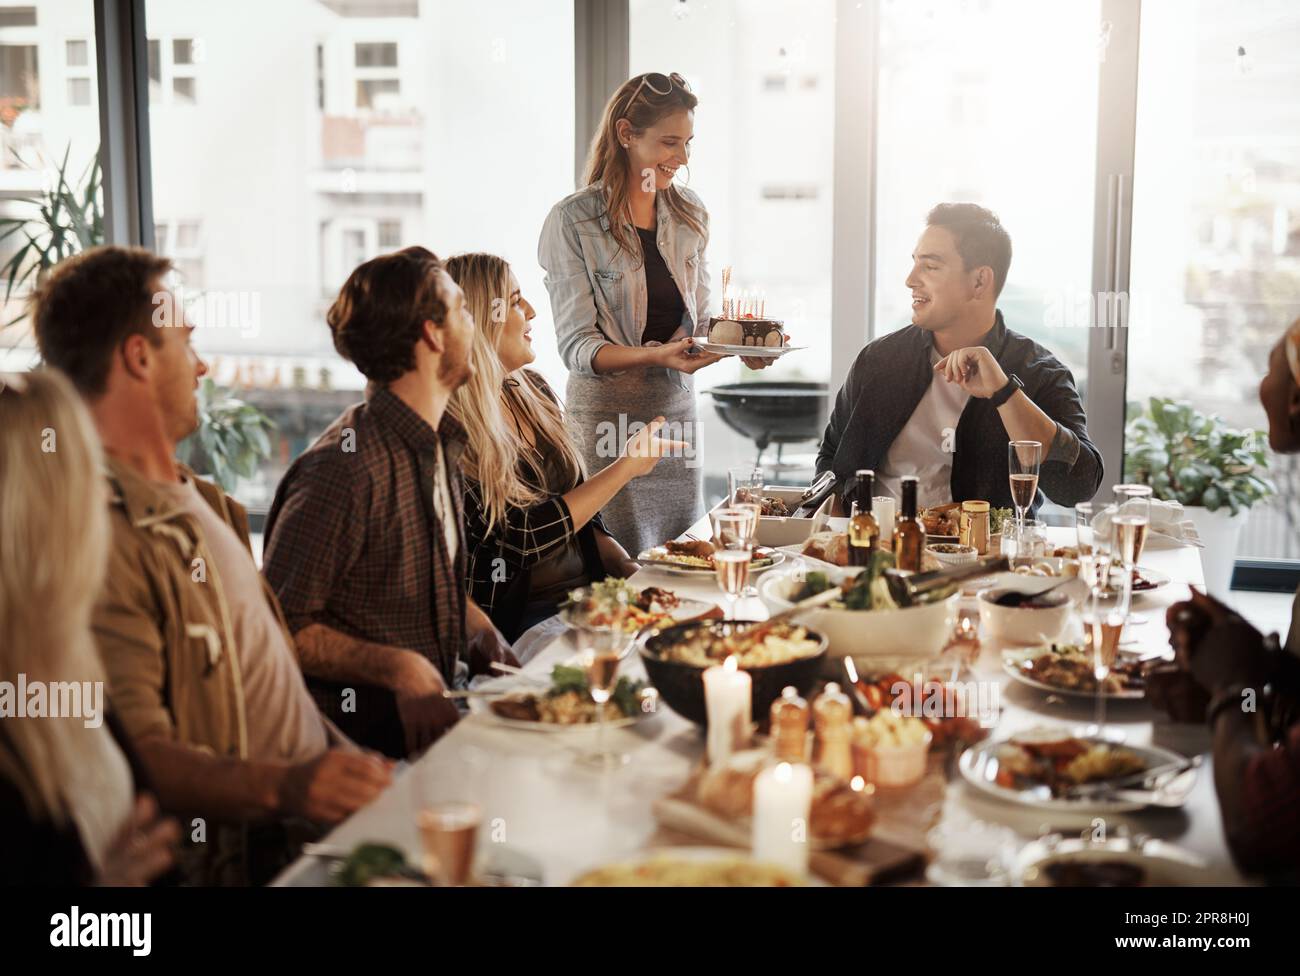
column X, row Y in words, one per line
column 773, row 413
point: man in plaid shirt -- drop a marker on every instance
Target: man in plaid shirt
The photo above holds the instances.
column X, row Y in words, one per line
column 364, row 541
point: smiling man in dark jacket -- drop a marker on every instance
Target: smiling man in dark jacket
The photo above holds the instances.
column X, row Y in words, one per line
column 942, row 398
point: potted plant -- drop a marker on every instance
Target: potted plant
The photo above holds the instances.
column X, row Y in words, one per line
column 232, row 437
column 1214, row 471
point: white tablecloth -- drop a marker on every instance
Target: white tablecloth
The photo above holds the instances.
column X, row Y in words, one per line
column 538, row 801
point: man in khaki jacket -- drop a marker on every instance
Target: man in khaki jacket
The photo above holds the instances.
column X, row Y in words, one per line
column 201, row 668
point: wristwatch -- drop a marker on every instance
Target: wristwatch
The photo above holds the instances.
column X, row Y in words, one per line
column 1007, row 392
column 1223, row 699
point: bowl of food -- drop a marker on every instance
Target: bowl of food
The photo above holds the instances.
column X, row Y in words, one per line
column 890, row 749
column 865, row 623
column 952, row 553
column 773, row 656
column 1030, row 618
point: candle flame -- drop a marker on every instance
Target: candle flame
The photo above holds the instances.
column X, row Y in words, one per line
column 730, row 663
column 857, row 784
column 784, row 772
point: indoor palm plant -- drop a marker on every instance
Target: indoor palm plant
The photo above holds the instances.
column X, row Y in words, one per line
column 233, row 436
column 1215, row 471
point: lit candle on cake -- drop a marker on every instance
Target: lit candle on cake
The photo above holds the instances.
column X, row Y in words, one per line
column 728, row 696
column 782, row 802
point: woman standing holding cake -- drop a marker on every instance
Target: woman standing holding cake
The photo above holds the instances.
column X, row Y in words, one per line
column 625, row 269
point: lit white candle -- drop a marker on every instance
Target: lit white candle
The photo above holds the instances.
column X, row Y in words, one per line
column 885, row 510
column 782, row 801
column 728, row 694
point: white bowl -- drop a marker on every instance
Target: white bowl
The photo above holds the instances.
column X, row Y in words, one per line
column 892, row 765
column 868, row 636
column 968, row 555
column 785, row 530
column 1024, row 625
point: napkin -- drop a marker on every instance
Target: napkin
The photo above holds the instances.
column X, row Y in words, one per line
column 1168, row 521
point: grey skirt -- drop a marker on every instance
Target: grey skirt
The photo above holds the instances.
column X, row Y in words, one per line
column 664, row 503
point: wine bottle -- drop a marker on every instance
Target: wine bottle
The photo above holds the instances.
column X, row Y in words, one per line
column 864, row 530
column 909, row 533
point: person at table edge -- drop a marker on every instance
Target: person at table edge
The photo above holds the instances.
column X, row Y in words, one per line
column 942, row 397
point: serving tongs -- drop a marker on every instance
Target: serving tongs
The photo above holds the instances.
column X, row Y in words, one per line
column 913, row 589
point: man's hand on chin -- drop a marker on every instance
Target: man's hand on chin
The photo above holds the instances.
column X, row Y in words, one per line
column 973, row 369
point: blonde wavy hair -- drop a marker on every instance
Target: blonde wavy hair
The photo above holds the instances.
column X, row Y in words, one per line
column 496, row 445
column 54, row 540
column 643, row 106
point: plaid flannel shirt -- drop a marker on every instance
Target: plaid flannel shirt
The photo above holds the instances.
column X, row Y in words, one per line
column 353, row 542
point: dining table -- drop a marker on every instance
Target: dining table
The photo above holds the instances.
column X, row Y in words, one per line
column 547, row 816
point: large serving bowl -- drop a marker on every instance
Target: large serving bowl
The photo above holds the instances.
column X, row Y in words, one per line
column 1024, row 625
column 871, row 637
column 681, row 686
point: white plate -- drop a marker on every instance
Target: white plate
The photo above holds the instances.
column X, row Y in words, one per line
column 978, row 761
column 1162, row 863
column 694, row 855
column 757, row 352
column 653, row 559
column 482, row 707
column 1010, row 664
column 686, row 609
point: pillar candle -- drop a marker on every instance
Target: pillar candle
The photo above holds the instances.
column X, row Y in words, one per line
column 782, row 802
column 728, row 695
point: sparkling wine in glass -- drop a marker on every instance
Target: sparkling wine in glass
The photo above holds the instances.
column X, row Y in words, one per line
column 1023, row 459
column 1130, row 518
column 733, row 548
column 601, row 651
column 448, row 834
column 745, row 490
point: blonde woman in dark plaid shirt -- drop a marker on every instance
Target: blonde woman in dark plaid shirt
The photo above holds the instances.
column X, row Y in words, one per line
column 364, row 542
column 532, row 520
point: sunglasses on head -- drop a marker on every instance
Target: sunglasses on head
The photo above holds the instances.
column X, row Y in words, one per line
column 660, row 84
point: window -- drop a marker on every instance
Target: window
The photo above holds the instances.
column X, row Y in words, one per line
column 172, row 68
column 958, row 86
column 278, row 181
column 40, row 124
column 1216, row 221
column 770, row 212
column 17, row 16
column 20, row 83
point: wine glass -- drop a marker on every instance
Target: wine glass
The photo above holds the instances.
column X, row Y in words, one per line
column 1023, row 459
column 601, row 649
column 1131, row 520
column 448, row 834
column 745, row 490
column 1090, row 557
column 733, row 546
column 1103, row 626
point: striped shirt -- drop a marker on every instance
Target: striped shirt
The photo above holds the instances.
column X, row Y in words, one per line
column 354, row 541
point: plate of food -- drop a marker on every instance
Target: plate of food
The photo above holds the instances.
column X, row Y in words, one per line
column 1057, row 862
column 694, row 557
column 1067, row 669
column 1053, row 769
column 688, row 867
column 562, row 704
column 595, row 607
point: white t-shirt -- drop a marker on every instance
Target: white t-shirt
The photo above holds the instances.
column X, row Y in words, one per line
column 442, row 506
column 925, row 444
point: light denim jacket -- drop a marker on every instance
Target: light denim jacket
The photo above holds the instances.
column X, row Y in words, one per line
column 598, row 290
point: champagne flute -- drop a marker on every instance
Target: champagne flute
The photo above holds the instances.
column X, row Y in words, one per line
column 601, row 652
column 1090, row 560
column 1023, row 459
column 1103, row 627
column 1132, row 518
column 745, row 490
column 733, row 547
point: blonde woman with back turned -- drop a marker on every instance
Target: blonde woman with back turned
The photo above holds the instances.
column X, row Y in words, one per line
column 70, row 811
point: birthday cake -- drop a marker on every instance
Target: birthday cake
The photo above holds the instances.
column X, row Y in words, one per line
column 745, row 332
column 743, row 321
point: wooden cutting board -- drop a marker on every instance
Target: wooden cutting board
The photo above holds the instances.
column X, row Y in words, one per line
column 896, row 850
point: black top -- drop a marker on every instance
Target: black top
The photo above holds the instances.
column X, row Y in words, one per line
column 664, row 305
column 40, row 852
column 892, row 373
